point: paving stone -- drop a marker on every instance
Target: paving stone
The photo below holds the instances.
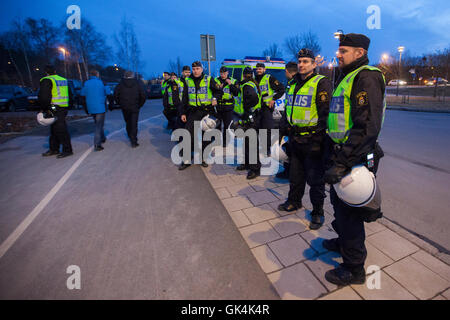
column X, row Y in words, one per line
column 346, row 293
column 240, row 219
column 262, row 185
column 376, row 257
column 433, row 264
column 319, row 265
column 288, row 225
column 389, row 290
column 261, row 197
column 392, row 244
column 222, row 193
column 291, row 250
column 275, row 205
column 258, row 234
column 417, row 278
column 373, row 227
column 239, row 178
column 241, row 189
column 280, row 192
column 222, row 182
column 446, row 294
column 296, row 283
column 266, row 259
column 439, row 297
column 236, row 203
column 316, row 237
column 261, row 213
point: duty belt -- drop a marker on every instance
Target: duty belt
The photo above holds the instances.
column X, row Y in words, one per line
column 304, row 131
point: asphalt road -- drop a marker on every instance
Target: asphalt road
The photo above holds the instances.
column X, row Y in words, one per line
column 414, row 175
column 135, row 226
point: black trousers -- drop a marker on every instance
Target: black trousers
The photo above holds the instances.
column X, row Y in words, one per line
column 131, row 118
column 267, row 123
column 248, row 148
column 225, row 113
column 305, row 168
column 171, row 115
column 195, row 114
column 59, row 134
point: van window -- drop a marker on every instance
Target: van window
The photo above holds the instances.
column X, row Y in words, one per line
column 279, row 74
column 237, row 74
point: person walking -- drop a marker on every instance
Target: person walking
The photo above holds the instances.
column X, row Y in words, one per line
column 130, row 95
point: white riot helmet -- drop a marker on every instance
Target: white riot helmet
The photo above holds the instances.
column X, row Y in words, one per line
column 278, row 150
column 358, row 188
column 45, row 118
column 209, row 122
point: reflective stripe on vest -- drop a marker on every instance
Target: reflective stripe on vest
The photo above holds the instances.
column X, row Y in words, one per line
column 203, row 96
column 339, row 118
column 301, row 109
column 60, row 90
column 253, row 85
column 264, row 87
column 226, row 90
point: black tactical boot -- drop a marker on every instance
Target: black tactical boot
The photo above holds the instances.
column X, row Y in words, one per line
column 317, row 219
column 331, row 245
column 342, row 276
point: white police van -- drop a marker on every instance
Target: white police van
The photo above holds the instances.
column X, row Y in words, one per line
column 274, row 67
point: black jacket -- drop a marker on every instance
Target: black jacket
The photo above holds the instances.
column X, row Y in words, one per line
column 249, row 97
column 45, row 94
column 129, row 94
column 234, row 90
column 323, row 97
column 276, row 86
column 366, row 112
column 215, row 89
column 175, row 95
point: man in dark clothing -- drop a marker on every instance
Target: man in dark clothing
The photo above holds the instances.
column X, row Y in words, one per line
column 352, row 140
column 199, row 99
column 271, row 90
column 251, row 120
column 225, row 106
column 305, row 117
column 54, row 95
column 130, row 95
column 172, row 100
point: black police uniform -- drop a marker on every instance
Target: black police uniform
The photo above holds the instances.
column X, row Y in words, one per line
column 196, row 113
column 267, row 113
column 306, row 147
column 59, row 133
column 171, row 110
column 225, row 107
column 250, row 99
column 367, row 109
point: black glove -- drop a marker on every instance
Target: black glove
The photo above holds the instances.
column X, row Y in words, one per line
column 335, row 173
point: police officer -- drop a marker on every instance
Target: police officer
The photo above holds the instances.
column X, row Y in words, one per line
column 199, row 99
column 306, row 113
column 54, row 95
column 171, row 101
column 250, row 119
column 354, row 123
column 290, row 71
column 166, row 78
column 185, row 73
column 271, row 90
column 226, row 102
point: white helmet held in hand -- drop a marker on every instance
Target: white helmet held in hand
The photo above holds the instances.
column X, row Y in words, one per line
column 45, row 119
column 357, row 188
column 278, row 150
column 209, row 122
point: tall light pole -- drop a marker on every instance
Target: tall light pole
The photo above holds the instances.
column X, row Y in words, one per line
column 400, row 50
column 64, row 55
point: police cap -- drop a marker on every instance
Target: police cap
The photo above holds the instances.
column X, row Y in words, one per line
column 247, row 71
column 354, row 40
column 186, row 68
column 306, row 53
column 223, row 69
column 197, row 64
column 260, row 65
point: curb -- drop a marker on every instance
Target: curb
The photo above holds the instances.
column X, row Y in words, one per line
column 412, row 109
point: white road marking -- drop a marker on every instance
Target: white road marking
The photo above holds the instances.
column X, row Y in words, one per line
column 8, row 243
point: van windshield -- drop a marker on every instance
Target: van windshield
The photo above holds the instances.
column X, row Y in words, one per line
column 279, row 74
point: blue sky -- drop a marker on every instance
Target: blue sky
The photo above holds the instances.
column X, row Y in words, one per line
column 167, row 29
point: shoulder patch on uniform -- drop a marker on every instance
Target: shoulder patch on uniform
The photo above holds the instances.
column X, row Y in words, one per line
column 174, row 87
column 362, row 98
column 276, row 82
column 323, row 96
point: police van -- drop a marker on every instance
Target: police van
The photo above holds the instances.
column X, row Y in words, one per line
column 274, row 67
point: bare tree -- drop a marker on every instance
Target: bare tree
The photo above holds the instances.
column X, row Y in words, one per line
column 128, row 51
column 175, row 66
column 22, row 38
column 273, row 51
column 307, row 39
column 8, row 39
column 43, row 35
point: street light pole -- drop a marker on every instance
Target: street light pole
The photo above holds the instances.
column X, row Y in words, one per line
column 64, row 55
column 400, row 50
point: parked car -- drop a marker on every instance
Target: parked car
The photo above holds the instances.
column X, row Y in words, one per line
column 154, row 91
column 13, row 97
column 395, row 82
column 33, row 101
column 432, row 81
column 110, row 97
column 75, row 90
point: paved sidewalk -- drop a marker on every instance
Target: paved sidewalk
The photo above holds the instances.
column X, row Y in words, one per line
column 292, row 255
